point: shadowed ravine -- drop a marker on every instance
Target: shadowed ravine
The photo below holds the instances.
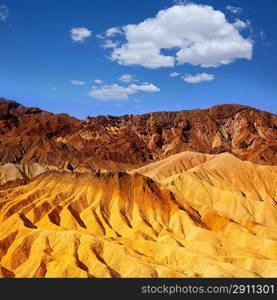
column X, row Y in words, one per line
column 88, row 199
column 202, row 221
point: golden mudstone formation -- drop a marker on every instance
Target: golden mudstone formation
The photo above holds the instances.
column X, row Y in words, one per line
column 189, row 193
column 187, row 215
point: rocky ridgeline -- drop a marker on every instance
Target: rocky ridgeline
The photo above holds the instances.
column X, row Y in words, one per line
column 30, row 135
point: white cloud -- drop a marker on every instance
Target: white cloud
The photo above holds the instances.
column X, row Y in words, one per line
column 117, row 92
column 239, row 24
column 199, row 34
column 149, row 87
column 100, row 36
column 109, row 44
column 79, row 34
column 111, row 92
column 4, row 12
column 127, row 78
column 234, row 9
column 198, row 78
column 113, row 31
column 77, row 82
column 98, row 81
column 174, row 74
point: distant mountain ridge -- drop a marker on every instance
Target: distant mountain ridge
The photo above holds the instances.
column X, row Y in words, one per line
column 31, row 135
column 164, row 194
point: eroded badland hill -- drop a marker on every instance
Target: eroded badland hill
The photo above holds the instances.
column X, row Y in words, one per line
column 166, row 194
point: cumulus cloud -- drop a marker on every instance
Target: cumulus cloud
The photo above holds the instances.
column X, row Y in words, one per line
column 174, row 74
column 127, row 78
column 113, row 31
column 100, row 36
column 79, row 34
column 199, row 34
column 4, row 12
column 239, row 24
column 198, row 78
column 117, row 92
column 109, row 44
column 234, row 9
column 148, row 87
column 77, row 82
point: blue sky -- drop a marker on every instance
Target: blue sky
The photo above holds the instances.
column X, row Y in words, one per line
column 51, row 53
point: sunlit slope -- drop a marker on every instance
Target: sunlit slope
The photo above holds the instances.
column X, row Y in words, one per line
column 221, row 183
column 11, row 172
column 239, row 190
column 173, row 165
column 120, row 225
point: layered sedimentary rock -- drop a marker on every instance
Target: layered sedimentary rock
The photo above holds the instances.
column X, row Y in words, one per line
column 195, row 218
column 10, row 172
column 105, row 143
column 166, row 194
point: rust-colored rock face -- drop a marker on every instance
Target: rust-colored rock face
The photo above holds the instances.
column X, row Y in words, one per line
column 166, row 194
column 30, row 135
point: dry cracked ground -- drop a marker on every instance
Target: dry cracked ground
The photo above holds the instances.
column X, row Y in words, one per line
column 183, row 200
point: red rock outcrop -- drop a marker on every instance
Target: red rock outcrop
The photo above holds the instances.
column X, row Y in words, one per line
column 30, row 135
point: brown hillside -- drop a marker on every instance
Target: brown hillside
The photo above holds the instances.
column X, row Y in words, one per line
column 30, row 135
